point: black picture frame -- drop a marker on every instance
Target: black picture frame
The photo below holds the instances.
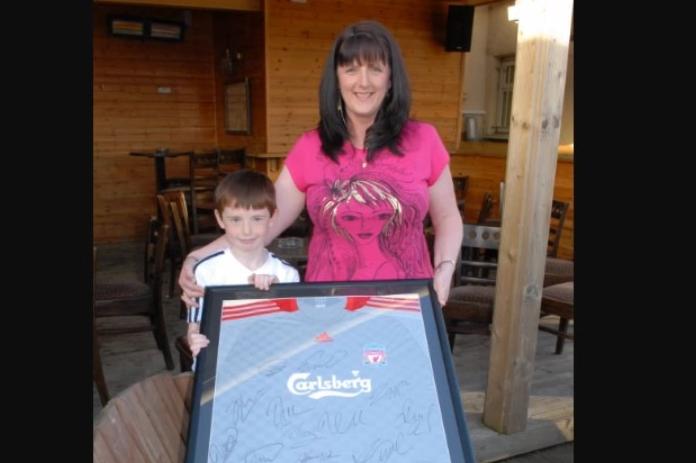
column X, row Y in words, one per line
column 236, row 412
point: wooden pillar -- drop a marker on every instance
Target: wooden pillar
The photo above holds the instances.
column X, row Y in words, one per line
column 540, row 74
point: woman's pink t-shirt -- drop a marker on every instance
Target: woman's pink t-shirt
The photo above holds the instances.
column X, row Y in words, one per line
column 368, row 217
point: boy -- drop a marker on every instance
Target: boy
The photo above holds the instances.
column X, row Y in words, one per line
column 244, row 208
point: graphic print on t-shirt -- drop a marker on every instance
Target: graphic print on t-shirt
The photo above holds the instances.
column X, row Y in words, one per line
column 372, row 225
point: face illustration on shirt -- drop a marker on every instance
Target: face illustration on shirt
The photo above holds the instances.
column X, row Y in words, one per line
column 364, row 223
column 362, row 209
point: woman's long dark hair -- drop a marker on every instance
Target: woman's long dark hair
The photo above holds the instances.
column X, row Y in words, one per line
column 365, row 41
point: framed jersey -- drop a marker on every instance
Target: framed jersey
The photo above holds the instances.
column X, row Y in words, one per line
column 353, row 372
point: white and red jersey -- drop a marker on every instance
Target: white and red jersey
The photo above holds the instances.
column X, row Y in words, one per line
column 337, row 377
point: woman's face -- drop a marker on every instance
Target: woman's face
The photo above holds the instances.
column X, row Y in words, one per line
column 363, row 88
column 362, row 222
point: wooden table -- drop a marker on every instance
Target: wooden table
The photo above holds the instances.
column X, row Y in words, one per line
column 159, row 155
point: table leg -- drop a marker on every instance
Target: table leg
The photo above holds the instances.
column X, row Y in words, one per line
column 160, row 173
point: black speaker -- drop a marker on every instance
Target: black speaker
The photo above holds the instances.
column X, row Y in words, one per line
column 460, row 21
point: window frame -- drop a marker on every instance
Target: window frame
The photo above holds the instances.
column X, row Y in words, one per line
column 504, row 88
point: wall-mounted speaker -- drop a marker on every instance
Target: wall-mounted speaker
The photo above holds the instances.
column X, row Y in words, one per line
column 460, row 22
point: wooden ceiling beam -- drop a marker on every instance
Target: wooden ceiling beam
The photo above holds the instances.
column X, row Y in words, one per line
column 235, row 5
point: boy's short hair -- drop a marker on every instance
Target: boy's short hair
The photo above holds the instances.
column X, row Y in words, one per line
column 247, row 189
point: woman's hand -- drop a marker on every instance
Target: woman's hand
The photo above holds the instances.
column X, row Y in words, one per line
column 442, row 280
column 190, row 291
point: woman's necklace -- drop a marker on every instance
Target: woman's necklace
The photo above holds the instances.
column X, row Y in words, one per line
column 355, row 154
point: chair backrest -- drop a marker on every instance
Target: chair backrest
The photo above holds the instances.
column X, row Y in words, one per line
column 178, row 198
column 476, row 266
column 183, row 234
column 486, row 207
column 150, row 240
column 203, row 169
column 461, row 186
column 174, row 210
column 203, row 165
column 165, row 210
column 158, row 234
column 204, row 177
column 231, row 160
column 559, row 210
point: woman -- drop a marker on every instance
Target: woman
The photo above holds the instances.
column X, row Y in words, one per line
column 368, row 176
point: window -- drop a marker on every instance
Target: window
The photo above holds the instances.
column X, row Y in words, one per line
column 506, row 80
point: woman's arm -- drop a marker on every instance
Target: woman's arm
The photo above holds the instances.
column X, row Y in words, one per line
column 190, row 291
column 447, row 223
column 218, row 244
column 290, row 202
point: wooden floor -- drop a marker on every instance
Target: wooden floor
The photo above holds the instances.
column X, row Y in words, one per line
column 550, row 418
column 128, row 359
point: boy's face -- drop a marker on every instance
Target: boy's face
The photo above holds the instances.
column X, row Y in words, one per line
column 245, row 229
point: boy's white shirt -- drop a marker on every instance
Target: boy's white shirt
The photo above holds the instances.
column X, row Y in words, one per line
column 222, row 268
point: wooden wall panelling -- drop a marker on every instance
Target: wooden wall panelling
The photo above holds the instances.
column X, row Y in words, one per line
column 299, row 36
column 129, row 114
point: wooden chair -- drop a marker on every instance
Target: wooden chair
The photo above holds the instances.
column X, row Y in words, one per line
column 135, row 298
column 230, row 161
column 175, row 251
column 559, row 210
column 486, row 208
column 173, row 208
column 179, row 216
column 204, row 174
column 187, row 241
column 147, row 422
column 558, row 300
column 185, row 355
column 176, row 183
column 558, row 271
column 469, row 308
column 97, row 369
